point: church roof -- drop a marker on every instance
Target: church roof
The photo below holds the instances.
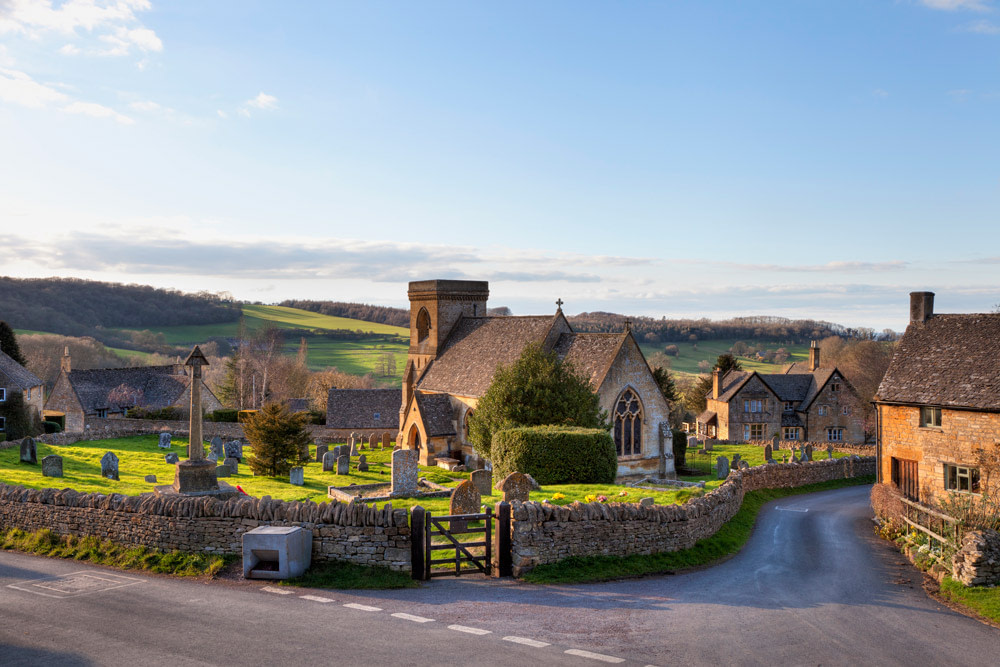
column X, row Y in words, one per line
column 436, row 412
column 161, row 386
column 591, row 354
column 14, row 374
column 476, row 347
column 363, row 408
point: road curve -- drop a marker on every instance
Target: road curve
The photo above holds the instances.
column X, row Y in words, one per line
column 812, row 586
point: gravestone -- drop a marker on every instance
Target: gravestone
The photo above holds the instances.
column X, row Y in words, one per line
column 721, row 467
column 233, row 464
column 164, row 441
column 52, row 466
column 223, row 471
column 329, row 461
column 29, row 451
column 109, row 466
column 829, row 451
column 343, row 465
column 768, row 452
column 515, row 486
column 213, row 457
column 743, row 465
column 171, row 458
column 708, row 445
column 396, row 448
column 371, row 441
column 776, row 442
column 483, row 479
column 808, row 455
column 234, row 450
column 647, row 502
column 692, row 441
column 404, row 472
column 216, row 447
column 150, row 478
column 321, row 451
column 385, row 440
column 362, row 464
column 736, row 460
column 354, row 450
column 465, row 499
column 297, row 476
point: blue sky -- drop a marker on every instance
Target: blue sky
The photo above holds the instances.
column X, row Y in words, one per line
column 807, row 159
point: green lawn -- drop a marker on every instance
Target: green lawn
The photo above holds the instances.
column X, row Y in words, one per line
column 983, row 600
column 709, row 350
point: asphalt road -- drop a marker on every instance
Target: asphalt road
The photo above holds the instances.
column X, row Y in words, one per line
column 812, row 587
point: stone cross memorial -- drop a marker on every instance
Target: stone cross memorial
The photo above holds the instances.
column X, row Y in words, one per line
column 404, row 472
column 52, row 466
column 109, row 466
column 29, row 451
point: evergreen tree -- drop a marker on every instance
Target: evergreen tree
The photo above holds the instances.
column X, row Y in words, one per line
column 536, row 390
column 725, row 363
column 278, row 439
column 8, row 344
column 20, row 419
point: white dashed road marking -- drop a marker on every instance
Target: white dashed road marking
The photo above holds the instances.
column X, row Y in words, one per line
column 594, row 656
column 315, row 598
column 279, row 591
column 471, row 631
column 411, row 617
column 526, row 641
column 361, row 607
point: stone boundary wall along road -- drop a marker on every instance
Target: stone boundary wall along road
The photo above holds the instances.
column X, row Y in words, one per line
column 544, row 533
column 356, row 533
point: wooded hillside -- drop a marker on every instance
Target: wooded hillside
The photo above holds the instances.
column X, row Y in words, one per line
column 397, row 317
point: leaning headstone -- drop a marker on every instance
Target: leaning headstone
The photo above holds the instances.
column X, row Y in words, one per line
column 321, row 450
column 385, row 440
column 109, row 466
column 721, row 467
column 52, row 466
column 150, row 478
column 829, row 451
column 164, row 441
column 171, row 458
column 483, row 479
column 233, row 464
column 362, row 464
column 297, row 476
column 234, row 450
column 515, row 486
column 216, row 447
column 647, row 502
column 343, row 465
column 329, row 461
column 223, row 471
column 404, row 472
column 768, row 453
column 808, row 455
column 29, row 451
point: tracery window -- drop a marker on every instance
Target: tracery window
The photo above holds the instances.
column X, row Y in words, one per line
column 423, row 325
column 628, row 424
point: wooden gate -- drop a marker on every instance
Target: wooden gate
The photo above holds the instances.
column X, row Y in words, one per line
column 442, row 536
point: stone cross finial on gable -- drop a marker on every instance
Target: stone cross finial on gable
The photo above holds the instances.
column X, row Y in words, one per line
column 559, row 304
column 628, row 325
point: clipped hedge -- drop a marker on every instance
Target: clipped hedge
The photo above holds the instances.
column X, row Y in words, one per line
column 555, row 454
column 223, row 415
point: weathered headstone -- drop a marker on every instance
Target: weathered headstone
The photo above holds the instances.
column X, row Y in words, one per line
column 371, row 441
column 362, row 464
column 385, row 440
column 29, row 451
column 354, row 449
column 768, row 452
column 216, row 447
column 164, row 441
column 829, row 451
column 776, row 442
column 329, row 461
column 404, row 472
column 708, row 445
column 212, row 456
column 343, row 465
column 223, row 471
column 515, row 486
column 692, row 440
column 233, row 464
column 109, row 466
column 52, row 466
column 465, row 499
column 647, row 502
column 743, row 465
column 808, row 453
column 321, row 450
column 483, row 479
column 721, row 467
column 171, row 458
column 736, row 460
column 297, row 476
column 234, row 450
column 150, row 478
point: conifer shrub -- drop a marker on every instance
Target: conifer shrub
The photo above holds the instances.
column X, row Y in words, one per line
column 278, row 438
column 556, row 454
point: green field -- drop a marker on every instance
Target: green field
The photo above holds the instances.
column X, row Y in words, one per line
column 709, row 350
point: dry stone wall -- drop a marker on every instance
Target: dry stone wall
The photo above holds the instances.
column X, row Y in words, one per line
column 545, row 533
column 357, row 533
column 977, row 562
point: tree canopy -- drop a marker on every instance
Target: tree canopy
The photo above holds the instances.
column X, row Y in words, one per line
column 278, row 438
column 8, row 344
column 536, row 390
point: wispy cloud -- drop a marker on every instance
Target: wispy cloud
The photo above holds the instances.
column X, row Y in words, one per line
column 983, row 27
column 19, row 88
column 879, row 93
column 957, row 5
column 263, row 101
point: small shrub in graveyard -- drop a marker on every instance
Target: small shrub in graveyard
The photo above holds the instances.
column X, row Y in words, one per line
column 277, row 438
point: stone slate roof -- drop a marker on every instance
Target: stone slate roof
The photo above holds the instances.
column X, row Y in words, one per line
column 161, row 387
column 948, row 361
column 13, row 374
column 730, row 383
column 437, row 414
column 357, row 408
column 590, row 353
column 706, row 417
column 799, row 387
column 475, row 348
column 789, row 387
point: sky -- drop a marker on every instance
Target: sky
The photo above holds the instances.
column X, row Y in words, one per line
column 671, row 159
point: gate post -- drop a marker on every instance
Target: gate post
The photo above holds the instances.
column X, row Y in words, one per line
column 505, row 560
column 417, row 542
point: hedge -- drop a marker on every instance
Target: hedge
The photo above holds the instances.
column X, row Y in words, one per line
column 556, row 454
column 223, row 415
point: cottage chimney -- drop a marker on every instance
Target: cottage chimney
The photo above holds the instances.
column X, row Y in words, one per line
column 814, row 355
column 921, row 307
column 715, row 383
column 65, row 364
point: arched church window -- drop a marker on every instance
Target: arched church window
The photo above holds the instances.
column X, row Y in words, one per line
column 423, row 325
column 628, row 424
column 465, row 429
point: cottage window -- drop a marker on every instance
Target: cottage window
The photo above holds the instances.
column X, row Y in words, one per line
column 753, row 405
column 835, row 434
column 846, row 410
column 791, row 432
column 3, row 394
column 834, row 386
column 628, row 424
column 822, row 410
column 3, row 424
column 789, row 406
column 961, row 478
column 930, row 417
column 102, row 413
column 753, row 431
column 423, row 325
column 378, row 416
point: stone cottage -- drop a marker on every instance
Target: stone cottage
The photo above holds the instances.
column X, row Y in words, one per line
column 108, row 392
column 938, row 405
column 455, row 349
column 15, row 378
column 805, row 402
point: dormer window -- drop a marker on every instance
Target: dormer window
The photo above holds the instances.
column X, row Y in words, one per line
column 789, row 406
column 378, row 416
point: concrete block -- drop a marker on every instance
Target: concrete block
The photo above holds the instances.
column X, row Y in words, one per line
column 276, row 552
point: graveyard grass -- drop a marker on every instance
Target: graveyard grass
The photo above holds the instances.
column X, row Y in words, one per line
column 729, row 540
column 752, row 454
column 44, row 542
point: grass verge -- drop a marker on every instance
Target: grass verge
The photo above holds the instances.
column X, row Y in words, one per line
column 729, row 540
column 344, row 575
column 44, row 542
column 984, row 601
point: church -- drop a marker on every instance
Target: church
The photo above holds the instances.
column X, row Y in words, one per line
column 456, row 347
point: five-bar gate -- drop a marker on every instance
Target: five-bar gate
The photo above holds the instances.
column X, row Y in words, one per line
column 437, row 540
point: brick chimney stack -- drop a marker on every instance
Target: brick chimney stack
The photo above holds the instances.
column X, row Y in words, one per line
column 921, row 307
column 65, row 364
column 814, row 355
column 715, row 383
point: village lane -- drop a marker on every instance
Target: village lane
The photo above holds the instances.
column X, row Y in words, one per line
column 812, row 586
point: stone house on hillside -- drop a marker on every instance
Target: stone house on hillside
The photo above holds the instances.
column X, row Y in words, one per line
column 455, row 349
column 364, row 411
column 15, row 378
column 938, row 405
column 108, row 392
column 805, row 402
